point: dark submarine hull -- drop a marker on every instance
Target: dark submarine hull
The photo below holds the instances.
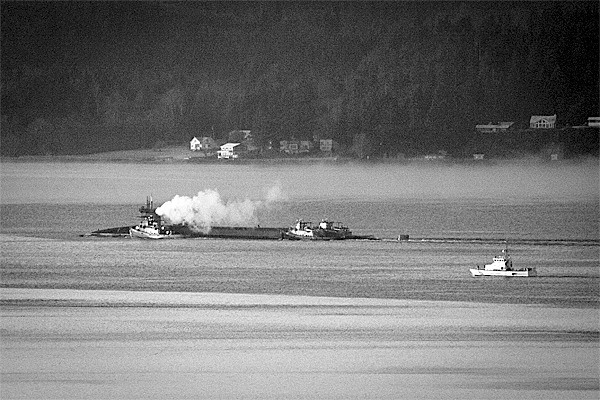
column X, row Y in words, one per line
column 226, row 232
column 219, row 232
column 222, row 232
column 150, row 218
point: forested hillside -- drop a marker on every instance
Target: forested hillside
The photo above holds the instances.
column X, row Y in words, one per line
column 380, row 78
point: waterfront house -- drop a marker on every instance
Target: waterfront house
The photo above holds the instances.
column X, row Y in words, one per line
column 493, row 128
column 204, row 143
column 441, row 155
column 594, row 122
column 305, row 146
column 195, row 144
column 327, row 145
column 229, row 150
column 435, row 157
column 289, row 146
column 542, row 121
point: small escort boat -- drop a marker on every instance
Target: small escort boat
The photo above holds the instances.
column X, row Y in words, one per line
column 502, row 266
column 332, row 230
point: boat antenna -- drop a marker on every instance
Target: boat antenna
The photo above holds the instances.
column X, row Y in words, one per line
column 505, row 250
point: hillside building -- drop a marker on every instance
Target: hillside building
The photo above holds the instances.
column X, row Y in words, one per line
column 594, row 122
column 542, row 121
column 229, row 151
column 493, row 128
column 203, row 144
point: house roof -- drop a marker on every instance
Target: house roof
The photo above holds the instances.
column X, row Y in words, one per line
column 230, row 144
column 201, row 139
column 594, row 122
column 501, row 125
column 536, row 118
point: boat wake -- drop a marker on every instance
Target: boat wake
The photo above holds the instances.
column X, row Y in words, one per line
column 534, row 242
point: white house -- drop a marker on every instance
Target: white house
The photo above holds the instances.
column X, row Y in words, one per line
column 492, row 128
column 289, row 146
column 195, row 144
column 306, row 146
column 228, row 151
column 205, row 143
column 594, row 122
column 542, row 121
column 326, row 145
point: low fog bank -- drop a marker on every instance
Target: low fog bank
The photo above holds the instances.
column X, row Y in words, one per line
column 109, row 183
column 507, row 181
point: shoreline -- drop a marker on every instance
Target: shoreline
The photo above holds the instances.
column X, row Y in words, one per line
column 150, row 157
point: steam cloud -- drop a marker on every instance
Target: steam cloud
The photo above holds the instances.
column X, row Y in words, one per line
column 208, row 209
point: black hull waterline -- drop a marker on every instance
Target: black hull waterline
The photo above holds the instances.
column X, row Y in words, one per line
column 222, row 232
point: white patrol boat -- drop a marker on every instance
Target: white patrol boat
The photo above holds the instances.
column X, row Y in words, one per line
column 502, row 266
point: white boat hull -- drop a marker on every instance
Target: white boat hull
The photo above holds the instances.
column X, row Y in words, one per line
column 522, row 273
column 303, row 236
column 141, row 234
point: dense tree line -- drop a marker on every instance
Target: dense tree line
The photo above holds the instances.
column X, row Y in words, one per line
column 380, row 78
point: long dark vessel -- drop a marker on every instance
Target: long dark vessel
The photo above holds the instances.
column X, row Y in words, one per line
column 152, row 226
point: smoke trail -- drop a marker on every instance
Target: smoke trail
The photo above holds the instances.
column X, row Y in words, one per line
column 275, row 194
column 207, row 209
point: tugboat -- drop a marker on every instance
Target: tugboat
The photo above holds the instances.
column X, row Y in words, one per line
column 302, row 230
column 332, row 230
column 502, row 266
column 151, row 226
column 326, row 230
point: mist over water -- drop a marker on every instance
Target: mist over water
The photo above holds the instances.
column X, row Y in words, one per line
column 105, row 183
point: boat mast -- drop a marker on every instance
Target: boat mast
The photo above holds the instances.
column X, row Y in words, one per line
column 148, row 212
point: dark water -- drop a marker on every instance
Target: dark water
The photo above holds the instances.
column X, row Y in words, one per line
column 41, row 248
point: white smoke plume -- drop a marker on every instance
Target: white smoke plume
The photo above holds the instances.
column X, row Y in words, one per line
column 275, row 194
column 208, row 209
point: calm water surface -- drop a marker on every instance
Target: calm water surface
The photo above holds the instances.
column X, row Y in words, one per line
column 548, row 229
column 157, row 345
